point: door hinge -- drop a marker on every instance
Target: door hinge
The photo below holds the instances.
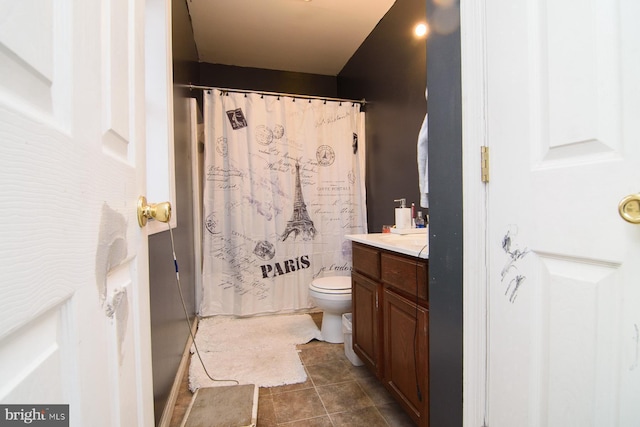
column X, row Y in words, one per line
column 377, row 300
column 484, row 163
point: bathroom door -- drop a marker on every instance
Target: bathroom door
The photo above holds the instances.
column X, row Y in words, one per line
column 74, row 305
column 563, row 102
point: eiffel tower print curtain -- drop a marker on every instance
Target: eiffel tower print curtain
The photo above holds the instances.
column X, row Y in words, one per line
column 283, row 184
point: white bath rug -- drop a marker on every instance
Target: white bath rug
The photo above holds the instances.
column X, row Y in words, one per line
column 256, row 350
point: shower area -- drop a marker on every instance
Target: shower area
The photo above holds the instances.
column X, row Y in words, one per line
column 282, row 181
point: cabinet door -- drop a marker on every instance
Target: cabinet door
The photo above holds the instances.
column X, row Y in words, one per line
column 406, row 329
column 366, row 328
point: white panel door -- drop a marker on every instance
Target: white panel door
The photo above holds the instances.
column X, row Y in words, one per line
column 563, row 109
column 74, row 305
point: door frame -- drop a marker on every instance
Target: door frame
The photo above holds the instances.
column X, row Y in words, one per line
column 160, row 152
column 475, row 215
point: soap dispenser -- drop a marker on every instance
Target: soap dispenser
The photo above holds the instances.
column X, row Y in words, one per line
column 403, row 214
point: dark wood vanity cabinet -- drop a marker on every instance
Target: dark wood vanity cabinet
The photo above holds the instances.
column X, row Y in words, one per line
column 391, row 324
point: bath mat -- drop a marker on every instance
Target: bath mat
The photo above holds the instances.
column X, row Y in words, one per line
column 229, row 406
column 255, row 350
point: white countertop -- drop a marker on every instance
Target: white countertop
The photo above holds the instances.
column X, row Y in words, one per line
column 416, row 245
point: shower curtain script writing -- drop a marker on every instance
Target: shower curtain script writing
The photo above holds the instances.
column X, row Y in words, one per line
column 283, row 185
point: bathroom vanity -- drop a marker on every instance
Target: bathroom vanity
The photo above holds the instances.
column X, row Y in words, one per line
column 391, row 315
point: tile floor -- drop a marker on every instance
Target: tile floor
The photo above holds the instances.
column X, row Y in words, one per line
column 336, row 393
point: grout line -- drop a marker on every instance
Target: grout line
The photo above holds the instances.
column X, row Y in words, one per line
column 268, row 393
column 315, row 389
column 375, row 406
column 352, row 377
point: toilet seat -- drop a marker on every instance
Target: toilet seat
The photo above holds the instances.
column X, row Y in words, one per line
column 332, row 285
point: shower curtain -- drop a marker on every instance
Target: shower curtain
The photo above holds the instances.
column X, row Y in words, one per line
column 284, row 183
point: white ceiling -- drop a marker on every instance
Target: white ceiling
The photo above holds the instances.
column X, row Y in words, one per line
column 317, row 36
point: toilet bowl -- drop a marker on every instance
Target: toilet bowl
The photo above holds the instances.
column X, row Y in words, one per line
column 333, row 296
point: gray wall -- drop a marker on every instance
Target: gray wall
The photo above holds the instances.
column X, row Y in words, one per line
column 389, row 71
column 169, row 331
column 233, row 77
column 445, row 240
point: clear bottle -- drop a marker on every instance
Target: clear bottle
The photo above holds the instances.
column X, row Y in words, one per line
column 420, row 221
column 413, row 215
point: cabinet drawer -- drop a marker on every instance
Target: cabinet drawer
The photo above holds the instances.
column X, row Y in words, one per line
column 408, row 275
column 366, row 260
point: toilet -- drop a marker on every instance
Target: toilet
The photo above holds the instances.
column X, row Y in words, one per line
column 333, row 296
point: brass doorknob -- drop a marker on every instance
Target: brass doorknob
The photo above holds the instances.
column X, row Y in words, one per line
column 629, row 208
column 158, row 211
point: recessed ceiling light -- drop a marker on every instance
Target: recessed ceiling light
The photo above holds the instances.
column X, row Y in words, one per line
column 421, row 30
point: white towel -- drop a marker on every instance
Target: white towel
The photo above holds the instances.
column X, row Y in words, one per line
column 423, row 162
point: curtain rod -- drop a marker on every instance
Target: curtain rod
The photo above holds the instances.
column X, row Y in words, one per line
column 261, row 92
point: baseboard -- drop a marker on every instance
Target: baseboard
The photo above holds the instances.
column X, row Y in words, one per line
column 167, row 413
